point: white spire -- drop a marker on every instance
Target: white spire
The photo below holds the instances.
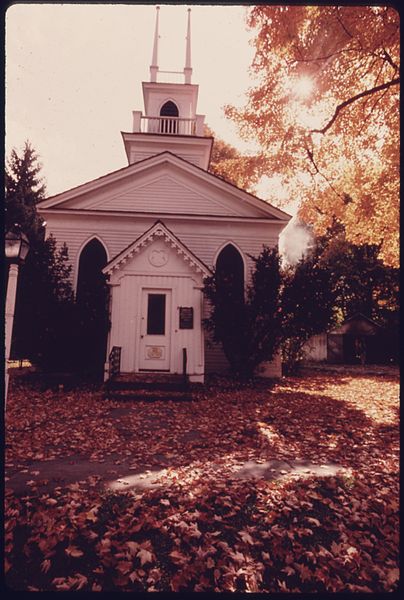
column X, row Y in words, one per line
column 188, row 68
column 154, row 65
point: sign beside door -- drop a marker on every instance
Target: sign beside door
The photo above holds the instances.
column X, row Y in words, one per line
column 155, row 336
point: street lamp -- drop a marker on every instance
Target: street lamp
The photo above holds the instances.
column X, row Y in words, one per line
column 16, row 250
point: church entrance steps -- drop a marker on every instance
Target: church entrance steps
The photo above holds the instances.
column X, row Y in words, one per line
column 148, row 386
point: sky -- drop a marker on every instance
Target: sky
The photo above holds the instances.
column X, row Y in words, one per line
column 74, row 73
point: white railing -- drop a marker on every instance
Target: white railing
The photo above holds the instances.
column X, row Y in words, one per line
column 168, row 125
column 170, row 76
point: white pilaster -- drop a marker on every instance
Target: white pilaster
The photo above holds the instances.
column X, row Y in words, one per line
column 137, row 115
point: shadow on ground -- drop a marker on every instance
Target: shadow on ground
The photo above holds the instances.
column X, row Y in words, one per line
column 55, row 439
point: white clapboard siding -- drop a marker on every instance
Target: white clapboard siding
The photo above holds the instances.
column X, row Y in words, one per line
column 215, row 360
column 163, row 188
column 272, row 368
column 203, row 238
column 316, row 348
column 164, row 194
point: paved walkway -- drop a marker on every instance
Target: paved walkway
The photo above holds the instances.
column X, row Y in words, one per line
column 118, row 475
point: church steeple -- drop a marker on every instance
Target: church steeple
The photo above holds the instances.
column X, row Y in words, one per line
column 154, row 68
column 170, row 121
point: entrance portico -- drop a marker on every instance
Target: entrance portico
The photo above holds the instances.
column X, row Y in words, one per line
column 157, row 305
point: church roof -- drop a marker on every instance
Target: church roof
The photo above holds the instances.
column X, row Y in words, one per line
column 64, row 200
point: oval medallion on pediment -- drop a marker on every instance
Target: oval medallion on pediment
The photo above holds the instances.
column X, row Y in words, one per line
column 158, row 257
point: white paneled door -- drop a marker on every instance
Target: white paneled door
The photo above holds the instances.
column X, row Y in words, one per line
column 155, row 330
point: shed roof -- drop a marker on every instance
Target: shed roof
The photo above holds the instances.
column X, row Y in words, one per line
column 357, row 324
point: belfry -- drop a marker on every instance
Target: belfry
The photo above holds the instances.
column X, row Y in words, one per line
column 169, row 108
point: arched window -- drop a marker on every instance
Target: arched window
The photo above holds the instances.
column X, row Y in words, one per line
column 169, row 125
column 230, row 271
column 92, row 303
column 229, row 311
column 93, row 259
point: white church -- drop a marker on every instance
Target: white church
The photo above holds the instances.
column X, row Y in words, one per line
column 157, row 228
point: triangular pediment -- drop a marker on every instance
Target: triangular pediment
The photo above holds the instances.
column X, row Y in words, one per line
column 164, row 192
column 157, row 232
column 163, row 184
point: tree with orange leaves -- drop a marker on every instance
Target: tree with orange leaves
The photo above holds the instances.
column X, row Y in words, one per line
column 325, row 112
column 232, row 165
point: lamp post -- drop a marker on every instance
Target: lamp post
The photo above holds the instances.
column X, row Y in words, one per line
column 16, row 250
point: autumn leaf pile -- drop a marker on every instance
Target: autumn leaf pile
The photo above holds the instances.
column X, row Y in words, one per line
column 203, row 528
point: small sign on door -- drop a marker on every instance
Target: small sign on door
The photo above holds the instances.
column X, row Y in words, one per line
column 186, row 317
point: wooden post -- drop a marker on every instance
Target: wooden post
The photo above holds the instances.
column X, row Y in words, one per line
column 184, row 365
column 10, row 306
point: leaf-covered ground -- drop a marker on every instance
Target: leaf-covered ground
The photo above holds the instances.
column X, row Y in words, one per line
column 201, row 527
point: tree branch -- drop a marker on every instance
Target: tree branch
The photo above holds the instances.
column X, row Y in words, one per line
column 339, row 19
column 320, row 58
column 311, row 158
column 388, row 58
column 346, row 103
column 371, row 110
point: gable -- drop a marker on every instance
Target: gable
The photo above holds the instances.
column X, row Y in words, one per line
column 164, row 184
column 357, row 325
column 157, row 249
column 164, row 193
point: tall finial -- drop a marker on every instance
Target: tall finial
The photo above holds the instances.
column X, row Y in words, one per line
column 188, row 68
column 154, row 65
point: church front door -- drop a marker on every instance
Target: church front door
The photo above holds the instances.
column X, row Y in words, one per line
column 155, row 330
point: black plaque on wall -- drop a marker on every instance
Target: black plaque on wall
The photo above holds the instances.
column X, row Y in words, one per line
column 186, row 317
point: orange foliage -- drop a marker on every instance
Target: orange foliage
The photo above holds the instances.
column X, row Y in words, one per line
column 325, row 111
column 230, row 164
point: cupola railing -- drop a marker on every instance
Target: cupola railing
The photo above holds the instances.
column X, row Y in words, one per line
column 168, row 125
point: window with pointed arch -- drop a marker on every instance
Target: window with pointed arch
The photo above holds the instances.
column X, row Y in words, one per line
column 230, row 272
column 167, row 124
column 92, row 303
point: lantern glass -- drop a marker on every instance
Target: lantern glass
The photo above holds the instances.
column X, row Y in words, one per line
column 16, row 246
column 24, row 249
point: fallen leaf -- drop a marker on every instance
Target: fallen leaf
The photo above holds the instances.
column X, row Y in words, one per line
column 73, row 551
column 45, row 565
column 246, row 537
column 393, row 575
column 145, row 556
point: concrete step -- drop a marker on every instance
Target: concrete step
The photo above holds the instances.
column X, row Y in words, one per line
column 147, row 394
column 149, row 377
column 149, row 385
column 149, row 380
column 138, row 382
